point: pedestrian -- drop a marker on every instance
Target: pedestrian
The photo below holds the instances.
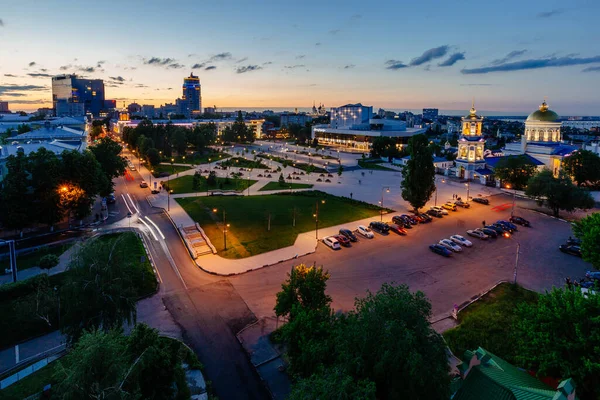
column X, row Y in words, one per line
column 350, row 195
column 568, row 282
column 483, row 223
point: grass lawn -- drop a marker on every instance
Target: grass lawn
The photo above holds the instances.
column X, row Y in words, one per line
column 289, row 162
column 30, row 260
column 198, row 158
column 489, row 322
column 373, row 165
column 184, row 184
column 248, row 234
column 157, row 170
column 244, row 163
column 276, row 186
column 33, row 383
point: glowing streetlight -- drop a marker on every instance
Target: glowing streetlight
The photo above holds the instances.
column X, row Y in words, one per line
column 316, row 215
column 225, row 226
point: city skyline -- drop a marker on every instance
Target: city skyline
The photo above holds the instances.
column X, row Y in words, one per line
column 396, row 56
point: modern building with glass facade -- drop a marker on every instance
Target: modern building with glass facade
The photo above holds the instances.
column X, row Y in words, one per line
column 70, row 92
column 192, row 98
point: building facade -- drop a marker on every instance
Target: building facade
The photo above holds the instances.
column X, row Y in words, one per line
column 4, row 107
column 471, row 146
column 69, row 89
column 294, row 118
column 430, row 113
column 191, row 99
column 351, row 116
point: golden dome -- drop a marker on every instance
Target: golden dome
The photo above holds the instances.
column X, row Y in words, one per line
column 544, row 114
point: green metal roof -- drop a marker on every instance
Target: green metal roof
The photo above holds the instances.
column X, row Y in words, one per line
column 544, row 116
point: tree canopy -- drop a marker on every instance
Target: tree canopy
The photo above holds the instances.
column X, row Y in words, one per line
column 584, row 167
column 588, row 230
column 418, row 175
column 558, row 193
column 107, row 153
column 515, row 170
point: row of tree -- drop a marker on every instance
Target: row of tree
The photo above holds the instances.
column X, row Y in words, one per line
column 43, row 187
column 385, row 348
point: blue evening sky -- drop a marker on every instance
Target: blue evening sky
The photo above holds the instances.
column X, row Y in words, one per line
column 508, row 55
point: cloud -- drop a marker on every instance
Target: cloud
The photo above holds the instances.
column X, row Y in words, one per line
column 10, row 76
column 300, row 57
column 267, row 63
column 198, row 66
column 509, row 56
column 294, row 66
column 210, row 68
column 176, row 66
column 551, row 13
column 12, row 90
column 429, row 55
column 588, row 69
column 356, row 16
column 65, row 67
column 241, row 60
column 534, row 64
column 349, row 66
column 221, row 56
column 31, row 64
column 334, row 31
column 159, row 61
column 247, row 68
column 1, row 22
column 318, row 44
column 117, row 78
column 395, row 64
column 139, row 85
column 89, row 70
column 453, row 59
column 99, row 64
column 39, row 75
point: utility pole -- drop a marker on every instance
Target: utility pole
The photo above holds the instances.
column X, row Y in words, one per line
column 294, row 216
column 516, row 263
column 224, row 231
column 381, row 212
column 269, row 221
column 317, row 218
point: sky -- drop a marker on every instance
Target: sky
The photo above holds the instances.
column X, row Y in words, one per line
column 507, row 55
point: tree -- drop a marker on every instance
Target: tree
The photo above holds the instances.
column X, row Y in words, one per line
column 384, row 147
column 107, row 153
column 305, row 287
column 281, row 180
column 558, row 193
column 45, row 171
column 101, row 273
column 179, row 141
column 83, row 174
column 23, row 128
column 48, row 262
column 418, row 183
column 588, row 230
column 558, row 336
column 96, row 131
column 196, row 181
column 583, row 166
column 153, row 157
column 515, row 170
column 333, row 384
column 15, row 196
column 212, row 178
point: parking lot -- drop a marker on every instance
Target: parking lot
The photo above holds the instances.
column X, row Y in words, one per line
column 446, row 281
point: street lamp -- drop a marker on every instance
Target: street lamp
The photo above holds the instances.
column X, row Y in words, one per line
column 169, row 199
column 507, row 235
column 512, row 211
column 467, row 185
column 436, row 190
column 151, row 172
column 316, row 215
column 387, row 189
column 249, row 177
column 172, row 167
column 13, row 257
column 225, row 226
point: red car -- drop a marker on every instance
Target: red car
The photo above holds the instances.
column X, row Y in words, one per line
column 343, row 240
column 397, row 229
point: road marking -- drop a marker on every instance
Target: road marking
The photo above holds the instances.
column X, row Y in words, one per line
column 150, row 229
column 132, row 203
column 125, row 200
column 156, row 226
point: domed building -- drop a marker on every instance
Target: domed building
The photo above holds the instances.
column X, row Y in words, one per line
column 471, row 144
column 543, row 126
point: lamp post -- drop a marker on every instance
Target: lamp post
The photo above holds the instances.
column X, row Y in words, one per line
column 13, row 257
column 506, row 234
column 249, row 177
column 169, row 199
column 387, row 189
column 225, row 226
column 436, row 190
column 512, row 211
column 467, row 185
column 151, row 172
column 316, row 215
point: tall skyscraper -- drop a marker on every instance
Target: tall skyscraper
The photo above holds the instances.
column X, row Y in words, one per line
column 192, row 98
column 4, row 107
column 76, row 96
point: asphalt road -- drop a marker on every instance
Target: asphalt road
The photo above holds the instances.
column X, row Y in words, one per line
column 446, row 281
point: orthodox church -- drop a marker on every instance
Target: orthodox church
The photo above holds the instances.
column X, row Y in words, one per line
column 469, row 160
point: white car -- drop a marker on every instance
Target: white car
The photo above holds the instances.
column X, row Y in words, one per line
column 366, row 232
column 440, row 209
column 461, row 240
column 450, row 245
column 477, row 233
column 332, row 242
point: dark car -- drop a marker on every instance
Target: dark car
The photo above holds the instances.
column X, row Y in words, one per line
column 441, row 250
column 574, row 241
column 509, row 224
column 481, row 200
column 410, row 219
column 426, row 218
column 497, row 229
column 570, row 249
column 343, row 240
column 461, row 203
column 348, row 234
column 380, row 227
column 505, row 228
column 111, row 199
column 397, row 229
column 435, row 213
column 519, row 221
column 490, row 232
column 397, row 219
column 419, row 218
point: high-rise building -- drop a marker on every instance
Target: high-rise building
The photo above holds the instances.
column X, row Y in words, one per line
column 430, row 113
column 351, row 116
column 191, row 99
column 4, row 107
column 73, row 90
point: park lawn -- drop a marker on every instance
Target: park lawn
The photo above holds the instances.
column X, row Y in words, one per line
column 32, row 259
column 243, row 163
column 184, row 184
column 197, row 159
column 373, row 166
column 33, row 383
column 274, row 185
column 289, row 162
column 161, row 168
column 248, row 218
column 489, row 322
column 16, row 299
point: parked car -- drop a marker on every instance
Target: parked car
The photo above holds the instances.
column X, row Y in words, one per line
column 570, row 249
column 435, row 213
column 348, row 234
column 574, row 241
column 504, row 228
column 419, row 218
column 440, row 209
column 380, row 227
column 477, row 233
column 509, row 224
column 449, row 206
column 461, row 203
column 132, row 168
column 111, row 199
column 366, row 232
column 426, row 218
column 450, row 245
column 519, row 221
column 410, row 219
column 490, row 232
column 441, row 250
column 458, row 239
column 143, row 184
column 496, row 229
column 481, row 200
column 397, row 229
column 397, row 219
column 332, row 242
column 343, row 240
